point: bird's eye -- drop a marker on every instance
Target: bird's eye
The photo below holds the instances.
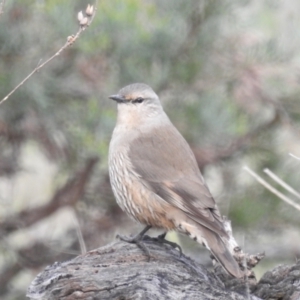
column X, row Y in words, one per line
column 138, row 100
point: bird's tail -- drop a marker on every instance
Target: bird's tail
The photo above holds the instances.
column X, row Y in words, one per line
column 216, row 245
column 221, row 252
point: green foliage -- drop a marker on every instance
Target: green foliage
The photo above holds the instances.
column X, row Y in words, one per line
column 221, row 68
column 194, row 53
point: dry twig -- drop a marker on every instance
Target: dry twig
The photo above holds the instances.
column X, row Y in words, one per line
column 294, row 156
column 84, row 22
column 272, row 189
column 79, row 233
column 282, row 183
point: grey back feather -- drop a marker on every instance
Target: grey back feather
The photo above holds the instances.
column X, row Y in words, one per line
column 167, row 165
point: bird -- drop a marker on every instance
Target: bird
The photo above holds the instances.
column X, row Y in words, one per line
column 155, row 177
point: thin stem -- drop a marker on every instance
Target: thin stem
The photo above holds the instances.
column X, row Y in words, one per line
column 294, row 156
column 272, row 189
column 282, row 183
column 70, row 41
column 79, row 233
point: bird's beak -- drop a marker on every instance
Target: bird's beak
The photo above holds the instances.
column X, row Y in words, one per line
column 117, row 98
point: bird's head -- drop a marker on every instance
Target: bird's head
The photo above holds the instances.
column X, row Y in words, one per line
column 137, row 102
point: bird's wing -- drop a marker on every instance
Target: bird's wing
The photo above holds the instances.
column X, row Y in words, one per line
column 166, row 164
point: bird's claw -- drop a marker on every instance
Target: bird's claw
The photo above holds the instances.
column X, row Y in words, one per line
column 161, row 239
column 138, row 240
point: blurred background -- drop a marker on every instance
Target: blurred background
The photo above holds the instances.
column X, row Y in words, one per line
column 228, row 75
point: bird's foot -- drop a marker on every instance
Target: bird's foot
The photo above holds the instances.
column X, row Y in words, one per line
column 138, row 240
column 161, row 239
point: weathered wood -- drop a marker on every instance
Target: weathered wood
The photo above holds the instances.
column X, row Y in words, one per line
column 283, row 283
column 122, row 271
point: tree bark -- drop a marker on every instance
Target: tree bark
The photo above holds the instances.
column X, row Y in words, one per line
column 122, row 271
